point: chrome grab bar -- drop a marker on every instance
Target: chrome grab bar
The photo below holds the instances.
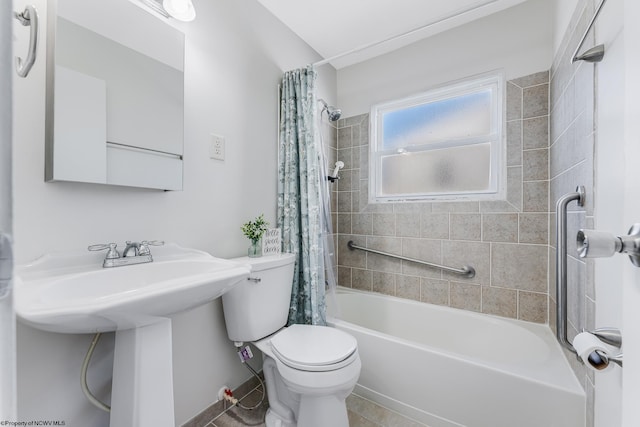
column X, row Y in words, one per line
column 466, row 271
column 29, row 17
column 561, row 264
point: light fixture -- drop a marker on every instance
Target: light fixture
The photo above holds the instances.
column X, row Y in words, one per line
column 181, row 10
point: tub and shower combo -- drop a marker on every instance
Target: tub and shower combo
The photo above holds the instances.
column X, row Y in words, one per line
column 447, row 367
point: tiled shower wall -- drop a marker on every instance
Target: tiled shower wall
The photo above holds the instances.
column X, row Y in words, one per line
column 507, row 242
column 571, row 160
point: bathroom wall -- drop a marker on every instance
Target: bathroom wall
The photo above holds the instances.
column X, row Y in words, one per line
column 7, row 318
column 505, row 241
column 518, row 40
column 587, row 148
column 572, row 142
column 236, row 53
column 571, row 164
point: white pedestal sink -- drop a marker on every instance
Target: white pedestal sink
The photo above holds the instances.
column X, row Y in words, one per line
column 72, row 293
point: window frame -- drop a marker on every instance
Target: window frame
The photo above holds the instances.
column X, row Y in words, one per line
column 497, row 173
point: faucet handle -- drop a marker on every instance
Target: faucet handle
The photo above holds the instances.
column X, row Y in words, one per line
column 144, row 246
column 112, row 252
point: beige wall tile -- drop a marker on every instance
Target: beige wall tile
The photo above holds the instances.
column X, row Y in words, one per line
column 535, row 101
column 514, row 102
column 500, row 227
column 408, row 224
column 498, row 206
column 466, row 226
column 435, row 225
column 424, row 250
column 344, row 137
column 361, row 279
column 384, row 224
column 344, row 223
column 535, row 164
column 344, row 276
column 362, row 223
column 514, row 143
column 534, row 228
column 390, row 245
column 408, row 287
column 345, row 183
column 458, row 254
column 412, row 208
column 364, row 161
column 532, row 307
column 499, row 301
column 465, row 296
column 535, row 133
column 434, row 291
column 384, row 283
column 514, row 186
column 518, row 266
column 348, row 257
column 344, row 154
column 344, row 201
column 457, row 207
column 535, row 196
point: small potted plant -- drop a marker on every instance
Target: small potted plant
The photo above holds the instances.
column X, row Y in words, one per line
column 254, row 230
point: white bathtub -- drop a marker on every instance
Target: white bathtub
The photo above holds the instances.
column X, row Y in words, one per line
column 446, row 367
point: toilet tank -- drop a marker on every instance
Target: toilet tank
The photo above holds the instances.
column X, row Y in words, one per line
column 259, row 306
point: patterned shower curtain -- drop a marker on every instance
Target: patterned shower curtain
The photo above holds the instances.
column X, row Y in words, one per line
column 299, row 203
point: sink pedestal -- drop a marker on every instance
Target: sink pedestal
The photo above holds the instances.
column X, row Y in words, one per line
column 142, row 390
column 72, row 293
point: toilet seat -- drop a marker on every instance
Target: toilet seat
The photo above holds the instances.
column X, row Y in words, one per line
column 314, row 348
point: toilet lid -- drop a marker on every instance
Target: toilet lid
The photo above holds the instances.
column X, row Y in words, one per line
column 315, row 348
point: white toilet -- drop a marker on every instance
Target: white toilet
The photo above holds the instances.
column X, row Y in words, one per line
column 309, row 370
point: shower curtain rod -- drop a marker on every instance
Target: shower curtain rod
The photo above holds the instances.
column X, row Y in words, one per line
column 403, row 35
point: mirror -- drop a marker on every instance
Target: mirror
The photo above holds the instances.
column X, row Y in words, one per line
column 115, row 95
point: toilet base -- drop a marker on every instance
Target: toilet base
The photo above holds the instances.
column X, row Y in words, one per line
column 273, row 420
column 289, row 408
column 317, row 411
column 314, row 412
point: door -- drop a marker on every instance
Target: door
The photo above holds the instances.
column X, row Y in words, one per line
column 631, row 277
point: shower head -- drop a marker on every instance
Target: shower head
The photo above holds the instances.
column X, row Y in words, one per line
column 332, row 112
column 339, row 165
column 335, row 177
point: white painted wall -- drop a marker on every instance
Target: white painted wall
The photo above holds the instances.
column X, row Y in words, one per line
column 563, row 10
column 518, row 40
column 7, row 318
column 235, row 56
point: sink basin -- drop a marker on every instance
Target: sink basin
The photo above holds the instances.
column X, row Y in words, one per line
column 72, row 293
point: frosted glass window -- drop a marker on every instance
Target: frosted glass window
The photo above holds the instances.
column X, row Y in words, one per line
column 452, row 118
column 445, row 143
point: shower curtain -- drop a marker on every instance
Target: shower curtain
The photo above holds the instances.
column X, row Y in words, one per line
column 299, row 195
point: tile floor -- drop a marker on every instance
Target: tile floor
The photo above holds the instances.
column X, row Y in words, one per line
column 362, row 413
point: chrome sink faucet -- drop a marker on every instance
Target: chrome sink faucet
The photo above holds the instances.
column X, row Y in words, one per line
column 141, row 253
column 131, row 245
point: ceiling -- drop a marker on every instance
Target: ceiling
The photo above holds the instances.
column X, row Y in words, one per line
column 333, row 27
